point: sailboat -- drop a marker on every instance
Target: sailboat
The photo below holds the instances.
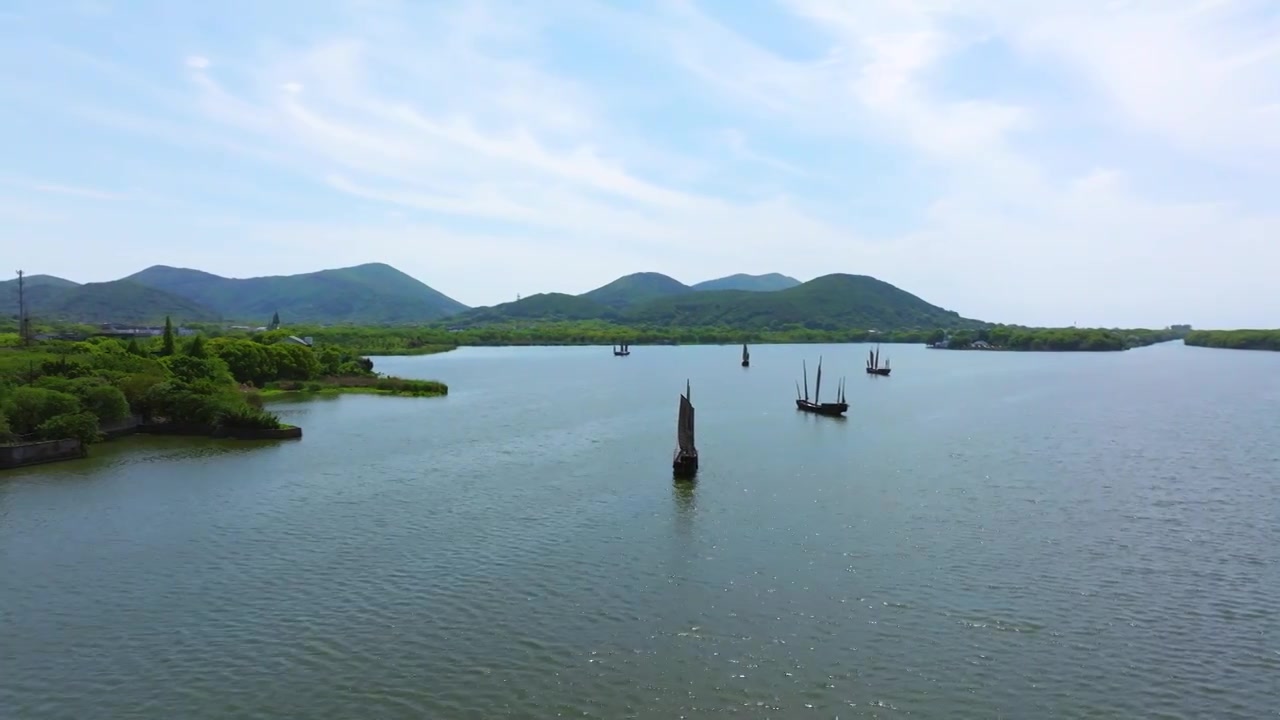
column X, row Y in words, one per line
column 685, row 462
column 873, row 363
column 621, row 350
column 837, row 408
column 746, row 356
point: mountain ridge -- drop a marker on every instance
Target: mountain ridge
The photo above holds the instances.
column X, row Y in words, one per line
column 833, row 301
column 371, row 292
column 768, row 282
column 380, row 294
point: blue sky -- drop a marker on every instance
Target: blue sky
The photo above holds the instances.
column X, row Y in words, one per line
column 1049, row 162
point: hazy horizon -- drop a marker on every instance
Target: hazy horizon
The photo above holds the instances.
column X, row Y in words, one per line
column 1045, row 164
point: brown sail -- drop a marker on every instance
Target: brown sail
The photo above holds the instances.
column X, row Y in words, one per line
column 873, row 363
column 837, row 408
column 685, row 462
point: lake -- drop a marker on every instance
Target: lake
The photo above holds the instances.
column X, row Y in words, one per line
column 1018, row 535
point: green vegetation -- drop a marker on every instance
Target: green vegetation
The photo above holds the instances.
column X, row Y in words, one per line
column 635, row 289
column 652, row 302
column 372, row 293
column 377, row 294
column 1235, row 339
column 57, row 389
column 382, row 312
column 431, row 339
column 769, row 282
column 1009, row 337
column 121, row 301
column 363, row 385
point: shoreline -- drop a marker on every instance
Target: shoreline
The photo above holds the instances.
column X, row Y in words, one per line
column 18, row 455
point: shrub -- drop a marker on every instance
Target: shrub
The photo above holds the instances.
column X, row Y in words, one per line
column 80, row 425
column 28, row 407
column 247, row 418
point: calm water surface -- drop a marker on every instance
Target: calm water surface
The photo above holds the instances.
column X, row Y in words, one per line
column 986, row 535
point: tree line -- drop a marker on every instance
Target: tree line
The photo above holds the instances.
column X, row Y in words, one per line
column 1235, row 339
column 58, row 389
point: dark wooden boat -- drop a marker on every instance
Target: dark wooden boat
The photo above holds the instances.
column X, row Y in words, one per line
column 873, row 363
column 621, row 350
column 834, row 409
column 684, row 464
column 746, row 356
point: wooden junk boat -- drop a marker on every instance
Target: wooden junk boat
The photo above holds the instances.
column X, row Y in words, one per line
column 746, row 356
column 834, row 409
column 873, row 363
column 684, row 464
column 621, row 350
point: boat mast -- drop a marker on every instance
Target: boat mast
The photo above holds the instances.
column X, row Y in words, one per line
column 687, row 394
column 806, row 380
column 817, row 385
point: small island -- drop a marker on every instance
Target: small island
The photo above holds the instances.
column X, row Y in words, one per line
column 1012, row 338
column 58, row 396
column 1235, row 339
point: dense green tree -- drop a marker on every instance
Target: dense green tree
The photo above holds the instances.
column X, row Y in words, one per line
column 196, row 348
column 28, row 407
column 294, row 362
column 81, row 425
column 134, row 348
column 1235, row 339
column 248, row 361
column 194, row 370
column 166, row 342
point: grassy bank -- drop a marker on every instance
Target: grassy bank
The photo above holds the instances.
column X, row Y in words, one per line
column 356, row 385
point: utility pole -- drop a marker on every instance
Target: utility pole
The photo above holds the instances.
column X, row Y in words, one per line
column 24, row 324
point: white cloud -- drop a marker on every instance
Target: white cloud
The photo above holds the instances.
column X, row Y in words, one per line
column 427, row 134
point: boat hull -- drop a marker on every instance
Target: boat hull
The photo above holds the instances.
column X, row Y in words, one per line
column 829, row 409
column 746, row 363
column 878, row 371
column 684, row 465
column 621, row 354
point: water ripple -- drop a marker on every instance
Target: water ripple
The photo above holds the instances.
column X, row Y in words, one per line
column 990, row 535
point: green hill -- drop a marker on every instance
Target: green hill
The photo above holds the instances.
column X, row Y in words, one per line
column 636, row 288
column 32, row 281
column 120, row 301
column 756, row 283
column 830, row 302
column 371, row 293
column 542, row 307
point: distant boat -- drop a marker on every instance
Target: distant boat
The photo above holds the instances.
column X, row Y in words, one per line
column 873, row 363
column 621, row 350
column 746, row 356
column 837, row 408
column 684, row 464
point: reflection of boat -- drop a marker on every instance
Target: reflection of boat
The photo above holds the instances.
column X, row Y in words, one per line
column 621, row 350
column 684, row 464
column 873, row 363
column 839, row 407
column 746, row 356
